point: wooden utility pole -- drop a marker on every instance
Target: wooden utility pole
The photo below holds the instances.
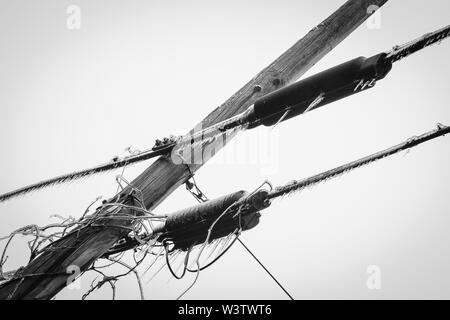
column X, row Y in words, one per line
column 46, row 274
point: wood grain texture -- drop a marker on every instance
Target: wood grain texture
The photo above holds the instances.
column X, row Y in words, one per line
column 163, row 176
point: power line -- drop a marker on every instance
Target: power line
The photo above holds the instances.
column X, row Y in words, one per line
column 298, row 185
column 268, row 272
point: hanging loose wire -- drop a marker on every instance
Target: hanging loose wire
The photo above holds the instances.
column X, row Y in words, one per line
column 160, row 252
column 283, row 190
column 186, row 261
column 203, row 245
column 237, row 232
column 265, row 269
column 173, row 257
column 224, row 250
column 193, row 283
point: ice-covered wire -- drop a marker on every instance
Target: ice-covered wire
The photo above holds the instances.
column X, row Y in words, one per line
column 400, row 52
column 194, row 142
column 113, row 165
column 223, row 251
column 299, row 185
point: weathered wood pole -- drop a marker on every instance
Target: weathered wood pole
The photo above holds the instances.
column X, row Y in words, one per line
column 46, row 275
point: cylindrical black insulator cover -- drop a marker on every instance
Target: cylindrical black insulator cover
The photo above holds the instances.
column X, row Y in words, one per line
column 188, row 227
column 333, row 84
column 208, row 210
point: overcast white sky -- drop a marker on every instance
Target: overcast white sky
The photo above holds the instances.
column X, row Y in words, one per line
column 140, row 70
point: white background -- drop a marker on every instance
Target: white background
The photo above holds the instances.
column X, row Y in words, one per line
column 140, row 70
